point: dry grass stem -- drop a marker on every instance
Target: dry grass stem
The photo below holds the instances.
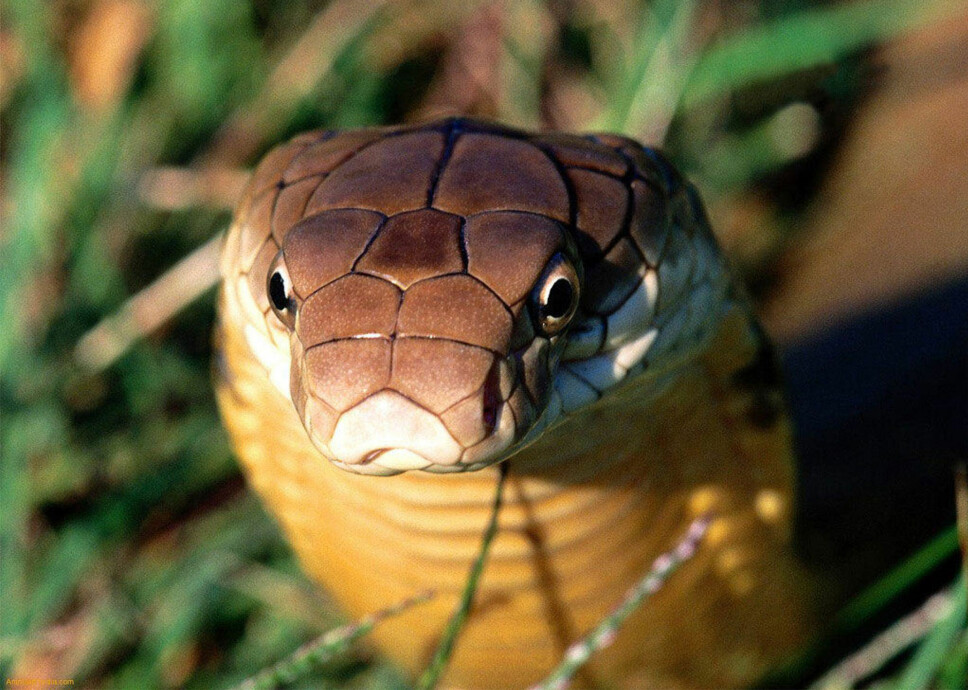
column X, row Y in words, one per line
column 888, row 644
column 175, row 189
column 182, row 284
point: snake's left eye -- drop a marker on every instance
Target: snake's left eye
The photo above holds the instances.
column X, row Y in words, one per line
column 279, row 289
column 555, row 296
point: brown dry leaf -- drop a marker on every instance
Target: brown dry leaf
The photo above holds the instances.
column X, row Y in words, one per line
column 893, row 217
column 105, row 50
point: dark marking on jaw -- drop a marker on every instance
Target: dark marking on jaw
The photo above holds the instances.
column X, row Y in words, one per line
column 491, row 397
column 761, row 380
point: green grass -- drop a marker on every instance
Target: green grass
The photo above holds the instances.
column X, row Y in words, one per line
column 132, row 555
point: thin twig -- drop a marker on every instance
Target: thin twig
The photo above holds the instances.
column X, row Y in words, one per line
column 142, row 313
column 324, row 648
column 933, row 651
column 888, row 644
column 604, row 633
column 437, row 665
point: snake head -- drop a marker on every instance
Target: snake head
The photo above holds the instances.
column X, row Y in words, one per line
column 434, row 297
column 437, row 350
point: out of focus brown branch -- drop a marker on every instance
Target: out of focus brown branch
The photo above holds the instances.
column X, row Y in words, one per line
column 468, row 79
column 147, row 310
column 104, row 51
column 171, row 188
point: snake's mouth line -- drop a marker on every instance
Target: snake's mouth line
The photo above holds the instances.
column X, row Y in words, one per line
column 400, row 436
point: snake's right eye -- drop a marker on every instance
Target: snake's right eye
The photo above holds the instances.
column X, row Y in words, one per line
column 555, row 297
column 279, row 289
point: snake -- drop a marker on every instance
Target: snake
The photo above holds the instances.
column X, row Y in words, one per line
column 405, row 312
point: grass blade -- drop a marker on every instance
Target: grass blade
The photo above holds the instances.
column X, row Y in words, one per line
column 900, row 578
column 933, row 651
column 437, row 665
column 802, row 40
column 889, row 643
column 659, row 67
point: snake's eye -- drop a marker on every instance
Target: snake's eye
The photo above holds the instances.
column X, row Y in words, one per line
column 555, row 296
column 279, row 289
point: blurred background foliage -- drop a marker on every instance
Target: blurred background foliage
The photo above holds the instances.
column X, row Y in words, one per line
column 132, row 554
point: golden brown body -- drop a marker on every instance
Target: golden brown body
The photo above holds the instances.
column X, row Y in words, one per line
column 586, row 511
column 589, row 505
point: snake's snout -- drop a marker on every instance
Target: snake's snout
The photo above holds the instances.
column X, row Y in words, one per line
column 426, row 404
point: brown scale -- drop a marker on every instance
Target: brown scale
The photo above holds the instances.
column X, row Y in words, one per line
column 412, row 254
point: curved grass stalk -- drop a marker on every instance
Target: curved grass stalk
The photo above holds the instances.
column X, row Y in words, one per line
column 324, row 648
column 802, row 40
